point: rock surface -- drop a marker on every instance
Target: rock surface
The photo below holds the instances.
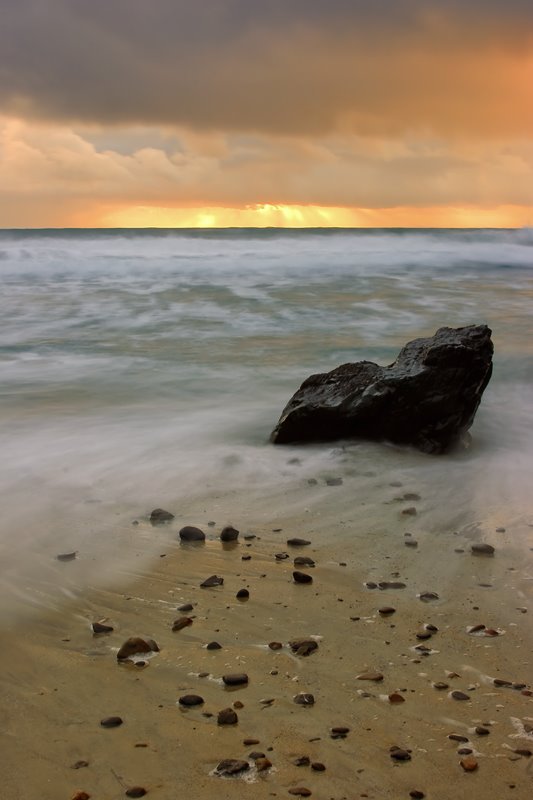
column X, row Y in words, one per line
column 427, row 398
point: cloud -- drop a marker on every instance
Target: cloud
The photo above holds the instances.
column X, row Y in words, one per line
column 51, row 174
column 286, row 68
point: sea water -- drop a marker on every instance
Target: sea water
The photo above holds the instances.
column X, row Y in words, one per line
column 146, row 368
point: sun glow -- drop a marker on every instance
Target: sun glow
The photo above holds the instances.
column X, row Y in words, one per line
column 273, row 215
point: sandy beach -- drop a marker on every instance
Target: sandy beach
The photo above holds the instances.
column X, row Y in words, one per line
column 59, row 680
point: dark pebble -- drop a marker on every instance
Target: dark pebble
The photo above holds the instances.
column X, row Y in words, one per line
column 302, row 761
column 136, row 791
column 340, row 729
column 371, row 585
column 185, row 607
column 246, row 558
column 80, row 764
column 275, row 645
column 391, row 585
column 460, row 695
column 482, row 549
column 67, row 556
column 159, row 516
column 213, row 646
column 231, row 766
column 111, row 722
column 182, row 622
column 213, row 580
column 298, row 542
column 303, row 561
column 135, row 645
column 281, row 556
column 262, row 764
column 304, row 699
column 386, row 611
column 243, row 594
column 481, row 731
column 236, row 679
column 411, row 543
column 301, row 791
column 250, row 742
column 464, row 751
column 303, row 647
column 457, row 737
column 441, row 685
column 409, row 512
column 501, row 682
column 416, row 794
column 191, row 700
column 255, row 754
column 334, row 482
column 98, row 627
column 398, row 754
column 227, row 717
column 424, row 635
column 229, row 534
column 191, row 534
column 302, row 577
column 318, row 766
column 427, row 597
column 523, row 751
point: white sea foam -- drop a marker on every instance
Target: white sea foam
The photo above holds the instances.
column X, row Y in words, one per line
column 140, row 370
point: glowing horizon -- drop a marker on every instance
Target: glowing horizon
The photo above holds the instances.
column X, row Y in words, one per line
column 274, row 215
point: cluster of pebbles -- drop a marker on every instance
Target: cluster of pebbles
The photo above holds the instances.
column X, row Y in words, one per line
column 311, row 675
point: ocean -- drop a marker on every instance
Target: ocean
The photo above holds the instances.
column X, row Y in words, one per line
column 146, row 368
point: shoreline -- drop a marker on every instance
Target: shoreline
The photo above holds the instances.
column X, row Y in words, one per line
column 60, row 680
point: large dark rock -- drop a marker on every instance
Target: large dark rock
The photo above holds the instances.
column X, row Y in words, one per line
column 427, row 398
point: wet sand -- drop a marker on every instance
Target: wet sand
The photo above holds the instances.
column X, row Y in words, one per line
column 59, row 680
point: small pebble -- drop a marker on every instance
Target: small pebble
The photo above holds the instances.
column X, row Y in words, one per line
column 302, row 761
column 457, row 737
column 304, row 699
column 262, row 764
column 275, row 645
column 231, row 766
column 243, row 594
column 235, row 679
column 369, row 676
column 111, row 722
column 159, row 516
column 469, row 764
column 99, row 627
column 301, row 791
column 482, row 549
column 416, row 794
column 396, row 697
column 191, row 534
column 386, row 611
column 213, row 646
column 182, row 622
column 298, row 542
column 136, row 791
column 227, row 717
column 317, row 766
column 80, row 796
column 459, row 695
column 213, row 580
column 427, row 597
column 302, row 577
column 229, row 534
column 399, row 754
column 185, row 607
column 191, row 700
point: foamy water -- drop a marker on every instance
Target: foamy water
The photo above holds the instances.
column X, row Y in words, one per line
column 144, row 369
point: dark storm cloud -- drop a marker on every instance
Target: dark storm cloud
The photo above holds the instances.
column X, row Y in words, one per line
column 297, row 66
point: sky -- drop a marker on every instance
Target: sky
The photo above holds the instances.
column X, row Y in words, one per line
column 117, row 113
